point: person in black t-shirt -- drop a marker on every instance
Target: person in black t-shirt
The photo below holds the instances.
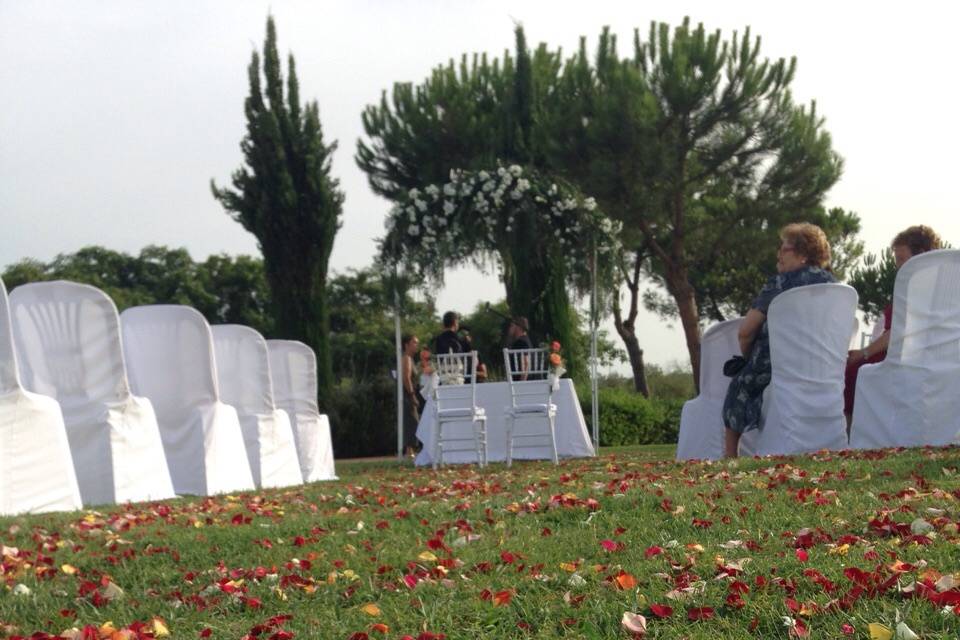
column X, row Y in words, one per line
column 448, row 341
column 517, row 338
column 454, row 339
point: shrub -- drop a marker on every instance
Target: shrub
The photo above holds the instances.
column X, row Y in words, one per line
column 626, row 417
column 363, row 417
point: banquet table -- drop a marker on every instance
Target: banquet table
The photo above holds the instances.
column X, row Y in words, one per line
column 573, row 440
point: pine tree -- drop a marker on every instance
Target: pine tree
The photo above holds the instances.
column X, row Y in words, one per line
column 286, row 197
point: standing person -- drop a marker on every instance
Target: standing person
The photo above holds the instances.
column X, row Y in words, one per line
column 517, row 334
column 908, row 243
column 448, row 341
column 456, row 339
column 802, row 259
column 409, row 344
column 517, row 338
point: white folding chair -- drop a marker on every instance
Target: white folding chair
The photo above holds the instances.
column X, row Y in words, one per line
column 36, row 468
column 170, row 357
column 455, row 403
column 68, row 342
column 701, row 420
column 293, row 367
column 803, row 405
column 531, row 398
column 244, row 378
column 912, row 398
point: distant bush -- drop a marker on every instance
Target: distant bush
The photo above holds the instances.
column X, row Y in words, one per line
column 626, row 417
column 363, row 417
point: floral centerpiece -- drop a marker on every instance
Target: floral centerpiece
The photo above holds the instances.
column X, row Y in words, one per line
column 556, row 365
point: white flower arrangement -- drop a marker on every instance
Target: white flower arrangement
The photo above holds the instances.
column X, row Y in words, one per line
column 477, row 210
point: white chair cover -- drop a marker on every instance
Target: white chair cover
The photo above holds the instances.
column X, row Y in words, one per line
column 36, row 469
column 701, row 421
column 68, row 344
column 293, row 367
column 803, row 406
column 243, row 375
column 912, row 398
column 169, row 354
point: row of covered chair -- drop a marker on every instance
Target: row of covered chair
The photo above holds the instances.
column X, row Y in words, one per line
column 910, row 399
column 99, row 408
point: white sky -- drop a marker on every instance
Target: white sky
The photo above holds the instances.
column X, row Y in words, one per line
column 116, row 114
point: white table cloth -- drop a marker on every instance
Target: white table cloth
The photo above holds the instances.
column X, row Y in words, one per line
column 573, row 439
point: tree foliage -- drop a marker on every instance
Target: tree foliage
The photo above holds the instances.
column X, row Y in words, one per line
column 223, row 288
column 874, row 281
column 480, row 118
column 695, row 143
column 285, row 196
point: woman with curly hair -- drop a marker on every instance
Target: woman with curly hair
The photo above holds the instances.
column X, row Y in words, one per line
column 908, row 243
column 802, row 259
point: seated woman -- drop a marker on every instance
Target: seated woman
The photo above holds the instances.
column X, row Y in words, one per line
column 803, row 258
column 908, row 243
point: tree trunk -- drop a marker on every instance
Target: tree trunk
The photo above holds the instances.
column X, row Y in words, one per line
column 635, row 353
column 301, row 312
column 534, row 277
column 685, row 297
column 627, row 329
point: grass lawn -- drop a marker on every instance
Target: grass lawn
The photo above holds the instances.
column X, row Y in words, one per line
column 828, row 546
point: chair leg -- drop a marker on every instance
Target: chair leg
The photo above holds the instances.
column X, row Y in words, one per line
column 553, row 438
column 483, row 440
column 510, row 420
column 437, row 448
column 476, row 442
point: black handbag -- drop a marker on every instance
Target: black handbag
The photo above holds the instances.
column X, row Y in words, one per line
column 734, row 365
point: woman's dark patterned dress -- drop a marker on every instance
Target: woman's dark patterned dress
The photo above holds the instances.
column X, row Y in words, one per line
column 741, row 408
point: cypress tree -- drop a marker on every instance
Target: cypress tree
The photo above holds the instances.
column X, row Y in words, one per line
column 285, row 196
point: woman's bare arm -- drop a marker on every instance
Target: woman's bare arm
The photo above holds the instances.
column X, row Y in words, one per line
column 749, row 328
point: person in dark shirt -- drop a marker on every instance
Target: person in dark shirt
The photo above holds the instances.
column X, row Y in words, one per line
column 517, row 333
column 453, row 339
column 448, row 341
column 517, row 338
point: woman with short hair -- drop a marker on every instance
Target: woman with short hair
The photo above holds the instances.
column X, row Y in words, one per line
column 802, row 259
column 910, row 242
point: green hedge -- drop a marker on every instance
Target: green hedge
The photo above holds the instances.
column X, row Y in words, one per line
column 363, row 418
column 626, row 417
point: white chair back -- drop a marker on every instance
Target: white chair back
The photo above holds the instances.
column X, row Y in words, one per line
column 803, row 406
column 293, row 367
column 926, row 310
column 9, row 377
column 36, row 467
column 718, row 345
column 67, row 337
column 243, row 368
column 701, row 420
column 527, row 372
column 912, row 398
column 169, row 349
column 457, row 375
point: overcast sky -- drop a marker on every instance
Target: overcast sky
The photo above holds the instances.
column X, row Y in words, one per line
column 115, row 115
